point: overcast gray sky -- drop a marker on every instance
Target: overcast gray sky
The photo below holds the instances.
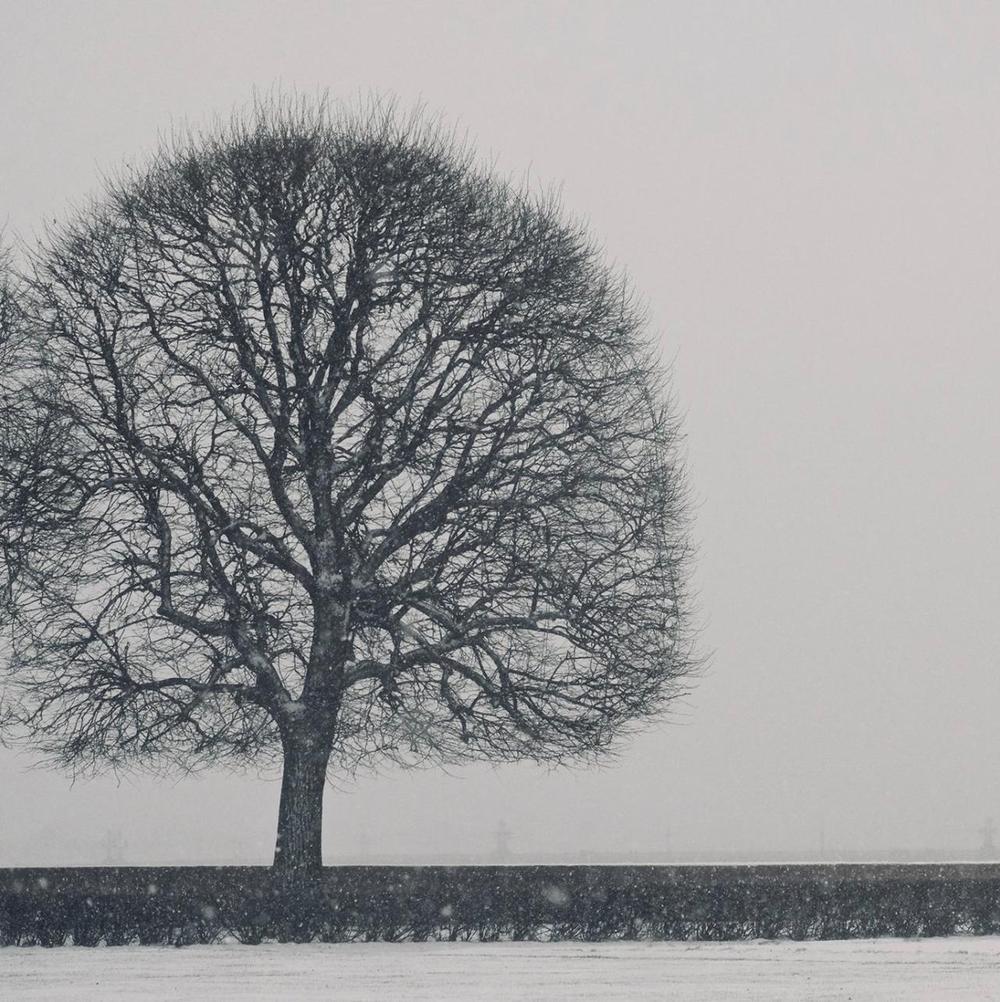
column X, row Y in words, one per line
column 808, row 194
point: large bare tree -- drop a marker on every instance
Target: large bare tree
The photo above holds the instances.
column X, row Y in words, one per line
column 321, row 444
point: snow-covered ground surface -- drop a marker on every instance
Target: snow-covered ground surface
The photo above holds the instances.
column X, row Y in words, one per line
column 929, row 970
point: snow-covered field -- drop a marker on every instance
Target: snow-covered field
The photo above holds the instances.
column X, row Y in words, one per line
column 928, row 970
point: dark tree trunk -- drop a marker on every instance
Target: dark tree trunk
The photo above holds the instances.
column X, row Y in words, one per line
column 299, row 847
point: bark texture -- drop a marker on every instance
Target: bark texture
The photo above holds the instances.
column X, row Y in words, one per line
column 299, row 845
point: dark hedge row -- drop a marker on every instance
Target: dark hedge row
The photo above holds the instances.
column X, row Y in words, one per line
column 185, row 905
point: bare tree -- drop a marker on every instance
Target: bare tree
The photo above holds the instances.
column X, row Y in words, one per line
column 324, row 445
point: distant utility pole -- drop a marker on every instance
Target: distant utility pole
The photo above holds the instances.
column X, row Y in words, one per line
column 114, row 847
column 988, row 848
column 503, row 836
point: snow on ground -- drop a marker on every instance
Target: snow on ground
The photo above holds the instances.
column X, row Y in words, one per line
column 927, row 970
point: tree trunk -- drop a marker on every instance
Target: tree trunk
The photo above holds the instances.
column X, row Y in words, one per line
column 299, row 847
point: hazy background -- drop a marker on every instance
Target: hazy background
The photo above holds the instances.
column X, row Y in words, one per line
column 809, row 196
